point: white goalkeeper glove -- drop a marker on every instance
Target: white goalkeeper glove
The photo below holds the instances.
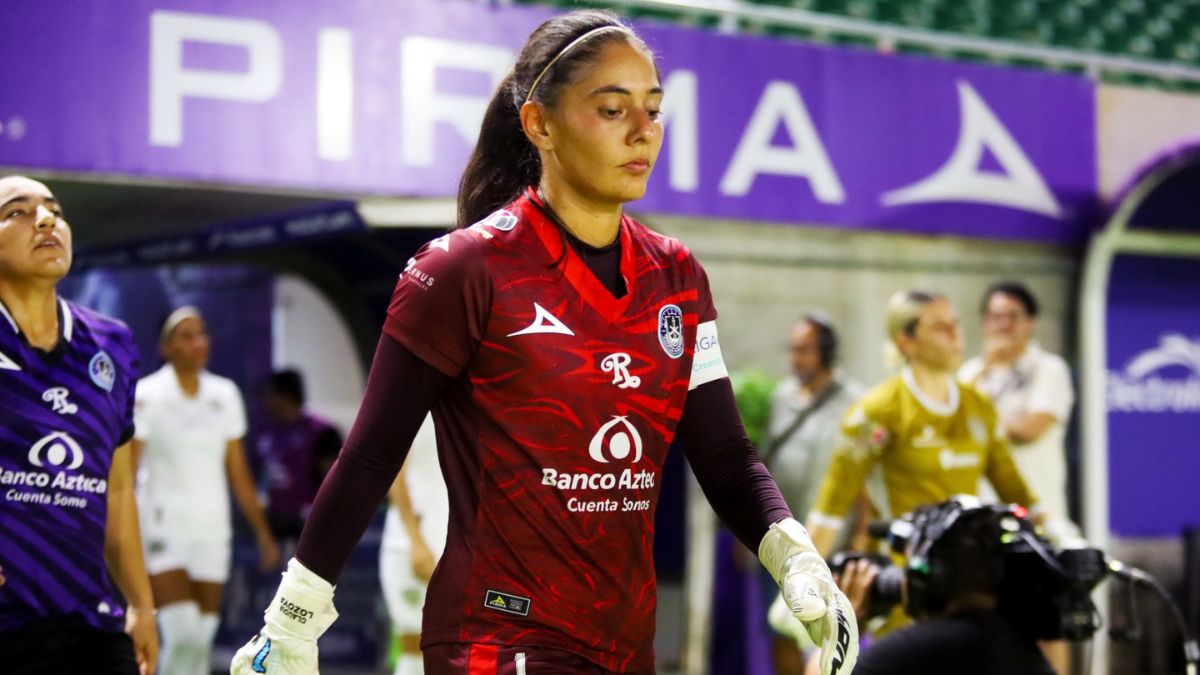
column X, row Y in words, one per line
column 811, row 595
column 299, row 614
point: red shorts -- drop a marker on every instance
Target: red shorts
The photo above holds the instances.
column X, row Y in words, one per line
column 487, row 659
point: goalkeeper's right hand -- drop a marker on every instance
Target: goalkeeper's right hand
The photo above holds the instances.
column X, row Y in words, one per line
column 299, row 614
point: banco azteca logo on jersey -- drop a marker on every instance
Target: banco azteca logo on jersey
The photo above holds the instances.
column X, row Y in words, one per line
column 616, row 439
column 56, row 449
column 53, row 481
column 616, row 442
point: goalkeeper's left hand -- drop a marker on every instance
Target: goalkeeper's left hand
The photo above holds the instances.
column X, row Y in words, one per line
column 811, row 595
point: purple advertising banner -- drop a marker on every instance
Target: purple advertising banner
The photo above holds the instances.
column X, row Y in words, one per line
column 374, row 97
column 1153, row 395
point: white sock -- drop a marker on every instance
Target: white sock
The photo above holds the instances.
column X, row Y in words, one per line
column 178, row 626
column 409, row 664
column 207, row 625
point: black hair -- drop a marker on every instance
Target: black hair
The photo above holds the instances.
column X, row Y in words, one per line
column 1013, row 289
column 951, row 558
column 972, row 554
column 827, row 337
column 504, row 162
column 288, row 383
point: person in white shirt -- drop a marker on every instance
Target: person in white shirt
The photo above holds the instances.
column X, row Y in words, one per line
column 1032, row 391
column 414, row 536
column 188, row 448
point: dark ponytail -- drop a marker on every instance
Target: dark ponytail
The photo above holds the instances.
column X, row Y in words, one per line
column 504, row 162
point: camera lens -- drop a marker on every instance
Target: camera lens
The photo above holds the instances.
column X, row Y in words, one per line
column 885, row 590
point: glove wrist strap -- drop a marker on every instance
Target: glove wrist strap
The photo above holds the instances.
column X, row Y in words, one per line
column 301, row 604
column 783, row 541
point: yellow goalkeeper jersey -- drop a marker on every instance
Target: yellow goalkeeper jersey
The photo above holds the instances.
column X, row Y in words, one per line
column 909, row 450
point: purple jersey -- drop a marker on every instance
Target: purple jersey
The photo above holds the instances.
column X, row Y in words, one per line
column 62, row 414
column 292, row 456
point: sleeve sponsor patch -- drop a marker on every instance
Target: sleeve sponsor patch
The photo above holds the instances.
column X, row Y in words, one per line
column 707, row 364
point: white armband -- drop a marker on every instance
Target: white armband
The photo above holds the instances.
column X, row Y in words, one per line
column 707, row 362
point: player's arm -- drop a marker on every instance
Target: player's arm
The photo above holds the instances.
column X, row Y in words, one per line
column 246, row 497
column 423, row 560
column 136, row 448
column 1028, row 427
column 417, row 358
column 1002, row 472
column 1050, row 399
column 857, row 450
column 329, row 442
column 123, row 555
column 742, row 492
column 401, row 389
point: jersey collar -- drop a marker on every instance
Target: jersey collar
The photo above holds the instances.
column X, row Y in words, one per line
column 935, row 407
column 575, row 270
column 66, row 321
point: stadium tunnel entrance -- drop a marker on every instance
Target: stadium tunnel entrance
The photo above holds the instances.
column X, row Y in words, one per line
column 1139, row 339
column 351, row 251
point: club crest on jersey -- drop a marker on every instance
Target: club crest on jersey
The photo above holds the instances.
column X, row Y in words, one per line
column 102, row 370
column 57, row 398
column 616, row 440
column 618, row 365
column 56, row 448
column 670, row 330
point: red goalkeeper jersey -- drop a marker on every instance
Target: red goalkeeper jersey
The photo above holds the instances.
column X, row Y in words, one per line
column 553, row 436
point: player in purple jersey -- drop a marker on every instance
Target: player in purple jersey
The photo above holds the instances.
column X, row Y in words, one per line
column 295, row 449
column 68, row 519
column 562, row 347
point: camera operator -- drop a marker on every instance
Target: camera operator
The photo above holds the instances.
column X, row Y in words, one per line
column 952, row 589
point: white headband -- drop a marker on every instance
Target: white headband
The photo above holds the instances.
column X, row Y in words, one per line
column 574, row 43
column 177, row 317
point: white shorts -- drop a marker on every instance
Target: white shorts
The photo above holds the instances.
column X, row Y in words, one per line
column 403, row 592
column 203, row 559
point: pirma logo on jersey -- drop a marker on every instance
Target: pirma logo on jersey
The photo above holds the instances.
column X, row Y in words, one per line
column 670, row 330
column 1142, row 386
column 506, row 602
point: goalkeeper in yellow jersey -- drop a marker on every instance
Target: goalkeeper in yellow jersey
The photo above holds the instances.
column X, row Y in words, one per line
column 919, row 437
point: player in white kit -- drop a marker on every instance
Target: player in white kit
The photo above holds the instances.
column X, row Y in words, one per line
column 414, row 535
column 187, row 445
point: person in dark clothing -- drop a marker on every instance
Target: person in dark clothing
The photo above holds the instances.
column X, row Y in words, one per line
column 295, row 450
column 974, row 641
column 952, row 589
